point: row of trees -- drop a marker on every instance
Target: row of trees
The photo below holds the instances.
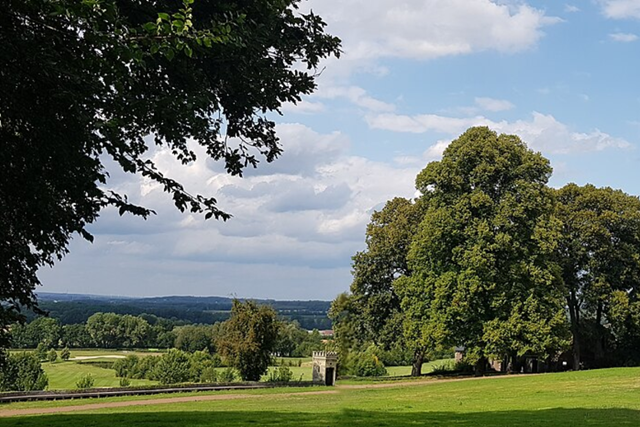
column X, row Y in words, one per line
column 491, row 258
column 109, row 330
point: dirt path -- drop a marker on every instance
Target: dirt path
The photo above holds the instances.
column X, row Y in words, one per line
column 164, row 401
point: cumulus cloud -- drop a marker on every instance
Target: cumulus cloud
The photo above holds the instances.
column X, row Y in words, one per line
column 426, row 29
column 570, row 8
column 356, row 95
column 542, row 132
column 621, row 9
column 623, row 37
column 305, row 215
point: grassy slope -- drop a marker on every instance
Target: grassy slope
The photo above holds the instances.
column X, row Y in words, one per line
column 64, row 375
column 595, row 398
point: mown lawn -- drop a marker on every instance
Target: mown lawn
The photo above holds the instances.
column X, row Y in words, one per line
column 594, row 398
column 64, row 375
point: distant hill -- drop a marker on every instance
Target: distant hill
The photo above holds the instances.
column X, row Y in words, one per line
column 77, row 308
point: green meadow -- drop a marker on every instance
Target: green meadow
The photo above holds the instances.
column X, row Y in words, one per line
column 592, row 398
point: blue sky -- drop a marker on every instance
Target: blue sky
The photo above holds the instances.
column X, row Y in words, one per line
column 414, row 75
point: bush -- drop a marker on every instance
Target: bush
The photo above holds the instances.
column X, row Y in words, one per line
column 145, row 368
column 448, row 368
column 227, row 376
column 281, row 374
column 126, row 368
column 173, row 367
column 52, row 356
column 86, row 381
column 367, row 365
column 41, row 351
column 65, row 354
column 209, row 375
column 125, row 382
column 23, row 372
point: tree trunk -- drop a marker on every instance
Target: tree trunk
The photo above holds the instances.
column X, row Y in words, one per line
column 481, row 366
column 599, row 344
column 574, row 317
column 416, row 366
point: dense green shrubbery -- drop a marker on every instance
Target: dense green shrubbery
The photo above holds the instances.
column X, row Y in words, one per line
column 228, row 375
column 23, row 372
column 450, row 367
column 281, row 374
column 364, row 363
column 173, row 367
column 86, row 381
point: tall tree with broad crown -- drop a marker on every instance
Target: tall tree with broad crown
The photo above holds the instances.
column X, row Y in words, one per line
column 372, row 312
column 599, row 253
column 248, row 338
column 482, row 265
column 82, row 81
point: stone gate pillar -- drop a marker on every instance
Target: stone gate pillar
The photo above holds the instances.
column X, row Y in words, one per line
column 325, row 367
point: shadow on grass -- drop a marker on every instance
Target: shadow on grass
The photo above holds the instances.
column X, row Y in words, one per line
column 350, row 418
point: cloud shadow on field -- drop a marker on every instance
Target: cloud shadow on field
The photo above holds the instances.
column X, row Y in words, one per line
column 349, row 417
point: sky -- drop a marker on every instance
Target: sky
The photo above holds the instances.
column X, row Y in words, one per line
column 414, row 75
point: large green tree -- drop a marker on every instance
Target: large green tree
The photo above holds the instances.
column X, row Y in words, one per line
column 371, row 312
column 83, row 81
column 248, row 338
column 482, row 262
column 599, row 253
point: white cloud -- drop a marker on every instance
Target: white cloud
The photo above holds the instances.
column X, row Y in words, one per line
column 491, row 104
column 623, row 37
column 426, row 29
column 356, row 95
column 303, row 107
column 542, row 132
column 621, row 9
column 306, row 211
column 569, row 8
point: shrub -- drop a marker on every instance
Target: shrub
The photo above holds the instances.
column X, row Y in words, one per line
column 173, row 367
column 23, row 372
column 86, row 381
column 126, row 368
column 227, row 376
column 65, row 354
column 281, row 374
column 209, row 375
column 52, row 356
column 447, row 368
column 125, row 382
column 146, row 368
column 41, row 351
column 367, row 365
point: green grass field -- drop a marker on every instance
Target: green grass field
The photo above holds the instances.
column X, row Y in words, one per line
column 64, row 375
column 593, row 398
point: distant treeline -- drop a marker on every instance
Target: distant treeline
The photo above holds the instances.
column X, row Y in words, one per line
column 76, row 309
column 118, row 331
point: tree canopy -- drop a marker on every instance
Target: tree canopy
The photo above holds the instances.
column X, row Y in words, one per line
column 86, row 81
column 483, row 275
column 599, row 253
column 248, row 338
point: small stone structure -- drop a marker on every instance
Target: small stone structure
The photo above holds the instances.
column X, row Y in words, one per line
column 325, row 367
column 460, row 353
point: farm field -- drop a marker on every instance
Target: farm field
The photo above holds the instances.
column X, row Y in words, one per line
column 593, row 398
